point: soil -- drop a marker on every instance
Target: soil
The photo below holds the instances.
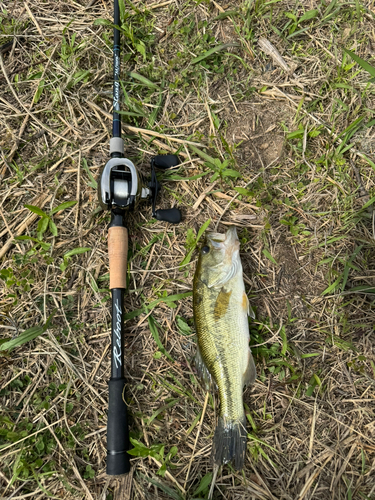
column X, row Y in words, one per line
column 256, row 129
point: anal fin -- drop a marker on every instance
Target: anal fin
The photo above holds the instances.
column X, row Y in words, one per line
column 204, row 375
column 250, row 374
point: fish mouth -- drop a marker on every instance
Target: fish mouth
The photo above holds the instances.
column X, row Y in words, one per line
column 226, row 256
column 229, row 240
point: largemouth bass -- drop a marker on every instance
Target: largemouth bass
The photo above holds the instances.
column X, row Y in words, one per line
column 221, row 310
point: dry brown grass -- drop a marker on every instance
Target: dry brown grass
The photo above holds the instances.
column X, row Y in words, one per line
column 305, row 444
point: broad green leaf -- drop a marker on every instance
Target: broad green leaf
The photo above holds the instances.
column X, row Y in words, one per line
column 162, row 470
column 37, row 210
column 214, row 177
column 204, row 484
column 203, row 155
column 26, row 336
column 139, row 450
column 52, row 228
column 202, row 229
column 39, row 91
column 78, row 76
column 332, row 287
column 169, row 299
column 76, row 251
column 200, row 232
column 296, row 133
column 155, row 333
column 42, row 227
column 121, row 6
column 102, row 22
column 231, row 173
column 215, row 120
column 175, row 177
column 364, row 64
column 284, row 339
column 310, row 14
column 183, row 326
column 289, row 15
column 269, row 256
column 24, row 237
column 43, row 244
column 224, row 15
column 63, row 206
column 243, row 191
column 141, row 49
column 143, row 80
column 318, row 381
column 35, row 76
column 213, row 50
column 311, row 387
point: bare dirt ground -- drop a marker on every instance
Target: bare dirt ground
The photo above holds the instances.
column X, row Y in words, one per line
column 301, row 144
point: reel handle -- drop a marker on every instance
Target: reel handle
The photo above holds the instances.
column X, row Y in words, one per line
column 172, row 215
column 165, row 161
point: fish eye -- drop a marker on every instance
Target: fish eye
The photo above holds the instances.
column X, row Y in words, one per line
column 205, row 249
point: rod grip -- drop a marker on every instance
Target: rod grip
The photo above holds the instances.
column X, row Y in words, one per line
column 117, row 430
column 118, row 254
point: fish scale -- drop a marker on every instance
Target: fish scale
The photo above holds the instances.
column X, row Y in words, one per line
column 217, row 336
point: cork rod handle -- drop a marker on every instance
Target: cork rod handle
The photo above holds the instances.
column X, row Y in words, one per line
column 118, row 253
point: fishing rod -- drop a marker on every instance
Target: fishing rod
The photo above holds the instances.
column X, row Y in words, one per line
column 121, row 188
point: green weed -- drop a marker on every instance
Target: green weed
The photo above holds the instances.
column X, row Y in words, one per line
column 156, row 451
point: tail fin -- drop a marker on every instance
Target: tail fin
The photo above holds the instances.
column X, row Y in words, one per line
column 229, row 442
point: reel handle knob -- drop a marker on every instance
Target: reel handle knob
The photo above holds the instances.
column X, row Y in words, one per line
column 165, row 161
column 172, row 215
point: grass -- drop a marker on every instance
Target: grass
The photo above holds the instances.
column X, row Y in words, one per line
column 286, row 157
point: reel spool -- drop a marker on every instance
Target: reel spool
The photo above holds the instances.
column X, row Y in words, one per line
column 121, row 187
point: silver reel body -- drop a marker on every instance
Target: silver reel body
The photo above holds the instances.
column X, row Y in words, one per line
column 121, row 186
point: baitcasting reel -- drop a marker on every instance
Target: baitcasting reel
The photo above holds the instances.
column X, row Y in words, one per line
column 122, row 187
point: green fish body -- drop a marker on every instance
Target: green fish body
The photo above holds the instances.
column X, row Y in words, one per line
column 221, row 310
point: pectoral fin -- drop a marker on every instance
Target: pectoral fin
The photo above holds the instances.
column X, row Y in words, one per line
column 246, row 305
column 250, row 374
column 217, row 281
